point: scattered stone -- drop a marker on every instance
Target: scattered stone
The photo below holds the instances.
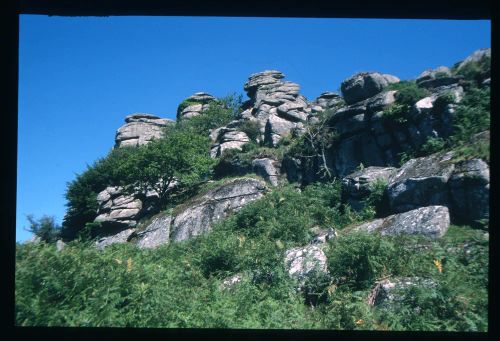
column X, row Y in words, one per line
column 392, row 293
column 230, row 282
column 431, row 221
column 321, row 236
column 60, row 245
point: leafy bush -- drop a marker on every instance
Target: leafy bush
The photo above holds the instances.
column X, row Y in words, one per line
column 44, row 228
column 432, row 145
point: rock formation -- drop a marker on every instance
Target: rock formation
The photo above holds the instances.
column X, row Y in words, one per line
column 195, row 105
column 301, row 262
column 365, row 85
column 139, row 129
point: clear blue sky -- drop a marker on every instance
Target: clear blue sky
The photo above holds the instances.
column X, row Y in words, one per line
column 79, row 77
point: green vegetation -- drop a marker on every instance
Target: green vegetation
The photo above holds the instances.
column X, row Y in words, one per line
column 475, row 72
column 44, row 228
column 179, row 285
column 408, row 93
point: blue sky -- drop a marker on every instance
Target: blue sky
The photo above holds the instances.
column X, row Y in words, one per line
column 80, row 76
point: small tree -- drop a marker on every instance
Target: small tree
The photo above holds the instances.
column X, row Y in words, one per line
column 45, row 228
column 182, row 158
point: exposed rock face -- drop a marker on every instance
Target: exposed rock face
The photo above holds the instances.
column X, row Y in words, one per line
column 140, row 129
column 470, row 191
column 436, row 78
column 121, row 237
column 477, row 56
column 365, row 85
column 391, row 293
column 215, row 205
column 275, row 104
column 327, row 100
column 195, row 105
column 117, row 209
column 268, row 169
column 300, row 262
column 321, row 236
column 421, row 182
column 156, row 233
column 431, row 221
column 358, row 185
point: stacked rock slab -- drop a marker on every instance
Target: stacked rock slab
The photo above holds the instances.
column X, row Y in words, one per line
column 228, row 137
column 195, row 105
column 275, row 104
column 365, row 85
column 140, row 129
column 117, row 209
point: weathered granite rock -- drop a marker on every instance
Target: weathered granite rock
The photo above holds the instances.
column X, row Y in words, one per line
column 117, row 209
column 301, row 262
column 156, row 233
column 365, row 85
column 268, row 169
column 121, row 237
column 358, row 185
column 140, row 129
column 431, row 221
column 197, row 216
column 470, row 191
column 228, row 138
column 421, row 182
column 391, row 293
column 195, row 105
column 275, row 104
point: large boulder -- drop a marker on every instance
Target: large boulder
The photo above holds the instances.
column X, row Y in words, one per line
column 365, row 85
column 198, row 215
column 470, row 191
column 140, row 129
column 431, row 221
column 358, row 186
column 421, row 182
column 228, row 138
column 302, row 262
column 155, row 233
column 117, row 209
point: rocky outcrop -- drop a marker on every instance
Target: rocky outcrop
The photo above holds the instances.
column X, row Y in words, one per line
column 268, row 169
column 475, row 57
column 197, row 216
column 118, row 238
column 357, row 186
column 155, row 234
column 365, row 85
column 275, row 104
column 438, row 180
column 228, row 137
column 470, row 191
column 117, row 209
column 421, row 182
column 140, row 129
column 321, row 236
column 195, row 105
column 301, row 262
column 431, row 221
column 327, row 100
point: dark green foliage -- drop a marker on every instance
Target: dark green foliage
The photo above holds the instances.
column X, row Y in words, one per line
column 432, row 145
column 408, row 93
column 81, row 193
column 375, row 205
column 218, row 114
column 45, row 228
